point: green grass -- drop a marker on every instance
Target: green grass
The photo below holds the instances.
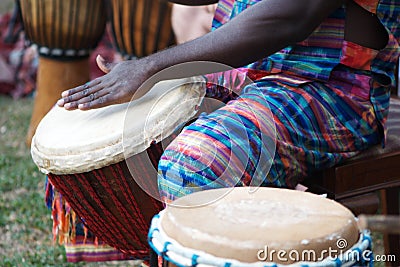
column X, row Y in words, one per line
column 6, row 5
column 25, row 222
column 25, row 237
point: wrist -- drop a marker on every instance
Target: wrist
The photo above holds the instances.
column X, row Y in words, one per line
column 150, row 66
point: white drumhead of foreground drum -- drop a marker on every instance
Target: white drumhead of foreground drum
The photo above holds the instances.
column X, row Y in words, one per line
column 245, row 224
column 68, row 142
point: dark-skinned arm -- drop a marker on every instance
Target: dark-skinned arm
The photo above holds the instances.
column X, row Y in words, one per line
column 257, row 32
column 194, row 2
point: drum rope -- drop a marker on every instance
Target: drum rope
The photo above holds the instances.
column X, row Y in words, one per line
column 139, row 223
column 129, row 222
column 121, row 227
column 88, row 213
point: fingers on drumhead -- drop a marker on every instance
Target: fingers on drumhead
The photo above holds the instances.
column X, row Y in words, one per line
column 83, row 92
column 71, row 106
column 96, row 103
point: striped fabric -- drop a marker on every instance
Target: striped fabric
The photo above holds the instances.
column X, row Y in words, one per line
column 320, row 102
column 90, row 250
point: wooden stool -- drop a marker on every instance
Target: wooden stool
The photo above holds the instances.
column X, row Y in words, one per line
column 356, row 182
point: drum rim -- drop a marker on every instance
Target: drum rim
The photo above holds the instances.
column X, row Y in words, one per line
column 159, row 242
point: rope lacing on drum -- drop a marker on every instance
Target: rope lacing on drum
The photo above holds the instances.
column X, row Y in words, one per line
column 194, row 259
column 338, row 262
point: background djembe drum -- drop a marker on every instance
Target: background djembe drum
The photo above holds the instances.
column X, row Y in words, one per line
column 141, row 27
column 65, row 32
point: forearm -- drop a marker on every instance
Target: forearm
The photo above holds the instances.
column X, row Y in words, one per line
column 257, row 32
column 194, row 2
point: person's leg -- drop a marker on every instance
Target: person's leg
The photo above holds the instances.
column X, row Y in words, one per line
column 316, row 127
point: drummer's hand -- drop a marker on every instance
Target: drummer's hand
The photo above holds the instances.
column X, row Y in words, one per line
column 117, row 86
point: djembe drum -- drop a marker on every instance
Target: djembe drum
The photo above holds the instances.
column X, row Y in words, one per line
column 103, row 161
column 258, row 227
column 65, row 33
column 141, row 27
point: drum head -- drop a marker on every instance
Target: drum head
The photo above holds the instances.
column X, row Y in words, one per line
column 68, row 142
column 249, row 225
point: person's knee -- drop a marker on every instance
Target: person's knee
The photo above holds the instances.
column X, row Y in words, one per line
column 195, row 160
column 187, row 157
